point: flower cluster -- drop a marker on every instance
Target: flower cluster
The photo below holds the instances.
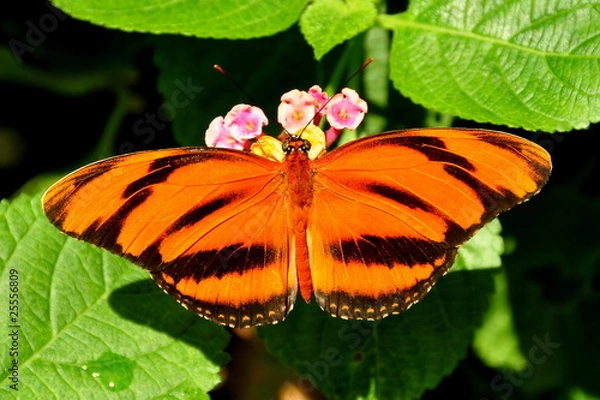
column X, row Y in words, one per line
column 298, row 110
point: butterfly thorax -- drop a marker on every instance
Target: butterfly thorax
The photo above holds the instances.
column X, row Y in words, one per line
column 298, row 171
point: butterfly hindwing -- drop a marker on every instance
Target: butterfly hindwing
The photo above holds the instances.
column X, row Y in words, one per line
column 389, row 211
column 362, row 273
column 210, row 225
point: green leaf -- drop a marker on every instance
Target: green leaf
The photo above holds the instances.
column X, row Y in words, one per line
column 399, row 357
column 496, row 341
column 225, row 19
column 483, row 250
column 375, row 79
column 91, row 324
column 327, row 23
column 520, row 63
column 579, row 394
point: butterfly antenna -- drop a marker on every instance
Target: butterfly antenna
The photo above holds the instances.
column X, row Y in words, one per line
column 358, row 71
column 237, row 85
column 241, row 88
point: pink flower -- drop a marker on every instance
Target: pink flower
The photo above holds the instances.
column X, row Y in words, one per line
column 320, row 98
column 217, row 135
column 346, row 110
column 245, row 122
column 239, row 126
column 296, row 110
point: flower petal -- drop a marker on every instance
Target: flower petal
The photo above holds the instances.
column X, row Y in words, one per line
column 346, row 110
column 245, row 122
column 296, row 110
column 320, row 97
column 316, row 137
column 217, row 135
column 268, row 147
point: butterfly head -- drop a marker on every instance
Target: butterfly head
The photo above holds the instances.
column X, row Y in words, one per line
column 296, row 144
column 310, row 141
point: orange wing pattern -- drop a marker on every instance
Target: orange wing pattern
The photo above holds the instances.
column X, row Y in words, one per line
column 389, row 211
column 210, row 225
column 368, row 228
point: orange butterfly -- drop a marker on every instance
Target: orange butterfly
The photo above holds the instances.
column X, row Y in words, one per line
column 366, row 229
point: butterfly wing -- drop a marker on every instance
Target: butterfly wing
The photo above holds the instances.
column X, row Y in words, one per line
column 389, row 211
column 210, row 225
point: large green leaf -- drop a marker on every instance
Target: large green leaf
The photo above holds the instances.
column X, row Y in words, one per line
column 521, row 63
column 230, row 19
column 88, row 324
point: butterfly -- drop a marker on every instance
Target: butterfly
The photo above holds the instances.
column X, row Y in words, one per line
column 365, row 229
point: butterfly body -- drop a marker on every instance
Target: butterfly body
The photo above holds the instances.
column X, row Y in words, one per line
column 299, row 173
column 365, row 229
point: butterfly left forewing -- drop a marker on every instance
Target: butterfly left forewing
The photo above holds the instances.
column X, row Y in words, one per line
column 389, row 211
column 210, row 225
